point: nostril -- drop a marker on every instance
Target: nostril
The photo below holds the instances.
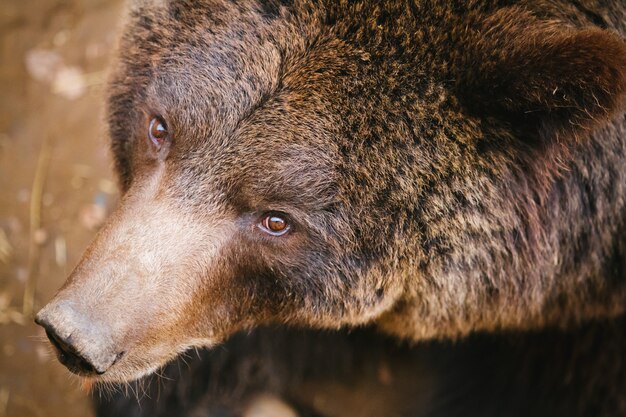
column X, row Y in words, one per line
column 82, row 346
column 68, row 355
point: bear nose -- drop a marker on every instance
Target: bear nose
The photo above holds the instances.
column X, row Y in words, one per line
column 67, row 353
column 82, row 346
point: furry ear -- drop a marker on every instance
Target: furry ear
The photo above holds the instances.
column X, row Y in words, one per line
column 544, row 77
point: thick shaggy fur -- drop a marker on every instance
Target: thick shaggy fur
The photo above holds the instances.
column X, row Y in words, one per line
column 447, row 167
column 452, row 166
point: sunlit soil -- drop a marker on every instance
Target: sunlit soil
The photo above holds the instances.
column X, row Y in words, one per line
column 56, row 185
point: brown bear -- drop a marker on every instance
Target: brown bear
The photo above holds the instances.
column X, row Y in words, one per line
column 426, row 168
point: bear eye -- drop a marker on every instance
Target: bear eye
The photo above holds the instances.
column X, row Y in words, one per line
column 274, row 224
column 157, row 131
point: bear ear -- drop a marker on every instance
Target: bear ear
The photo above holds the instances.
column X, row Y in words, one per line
column 546, row 78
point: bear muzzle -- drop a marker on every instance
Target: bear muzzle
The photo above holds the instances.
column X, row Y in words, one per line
column 83, row 347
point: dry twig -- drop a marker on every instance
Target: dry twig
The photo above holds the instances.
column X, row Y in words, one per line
column 35, row 224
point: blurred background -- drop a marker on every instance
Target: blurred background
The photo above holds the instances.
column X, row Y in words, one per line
column 56, row 183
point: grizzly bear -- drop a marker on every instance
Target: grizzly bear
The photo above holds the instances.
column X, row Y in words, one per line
column 363, row 183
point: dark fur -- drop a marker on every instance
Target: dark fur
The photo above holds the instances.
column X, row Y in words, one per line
column 360, row 373
column 449, row 167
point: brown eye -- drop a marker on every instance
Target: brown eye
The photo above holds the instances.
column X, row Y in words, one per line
column 157, row 131
column 275, row 224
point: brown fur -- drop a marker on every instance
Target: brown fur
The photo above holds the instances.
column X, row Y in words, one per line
column 448, row 166
column 551, row 78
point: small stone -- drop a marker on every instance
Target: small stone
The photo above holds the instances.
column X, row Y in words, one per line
column 40, row 236
column 69, row 82
column 43, row 65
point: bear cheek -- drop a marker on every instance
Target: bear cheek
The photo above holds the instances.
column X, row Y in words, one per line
column 263, row 282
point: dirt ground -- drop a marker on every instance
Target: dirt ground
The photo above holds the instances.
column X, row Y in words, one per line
column 56, row 184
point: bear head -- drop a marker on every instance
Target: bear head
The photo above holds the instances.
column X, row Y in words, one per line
column 432, row 168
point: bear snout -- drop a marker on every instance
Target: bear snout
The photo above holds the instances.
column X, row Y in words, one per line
column 82, row 346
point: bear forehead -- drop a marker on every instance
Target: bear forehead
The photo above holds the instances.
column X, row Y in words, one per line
column 238, row 92
column 282, row 100
column 217, row 67
column 207, row 69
